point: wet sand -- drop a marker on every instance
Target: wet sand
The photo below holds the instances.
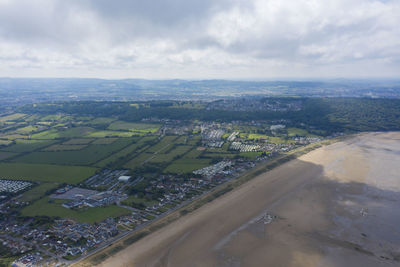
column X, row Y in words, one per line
column 335, row 206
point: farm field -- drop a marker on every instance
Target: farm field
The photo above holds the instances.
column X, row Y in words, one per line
column 45, row 172
column 79, row 141
column 6, row 155
column 104, row 141
column 187, row 165
column 86, row 156
column 64, row 147
column 134, row 127
column 131, row 149
column 170, row 155
column 107, row 133
column 23, row 145
column 38, row 191
column 12, row 117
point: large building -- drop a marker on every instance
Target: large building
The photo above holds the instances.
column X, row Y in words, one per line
column 124, row 178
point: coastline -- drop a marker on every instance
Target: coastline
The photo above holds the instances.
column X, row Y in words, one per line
column 102, row 254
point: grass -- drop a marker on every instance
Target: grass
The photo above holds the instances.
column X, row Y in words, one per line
column 76, row 132
column 57, row 118
column 257, row 136
column 138, row 160
column 278, row 140
column 182, row 140
column 54, row 208
column 250, row 155
column 26, row 129
column 102, row 120
column 163, row 144
column 69, row 133
column 5, row 155
column 27, row 145
column 119, row 155
column 187, row 165
column 134, row 127
column 58, row 147
column 45, row 172
column 48, row 134
column 86, row 156
column 12, row 117
column 292, row 132
column 5, row 142
column 104, row 141
column 133, row 199
column 106, row 133
column 194, row 153
column 13, row 137
column 78, row 141
column 37, row 192
column 167, row 157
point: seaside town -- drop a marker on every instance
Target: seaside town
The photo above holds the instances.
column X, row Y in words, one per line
column 57, row 240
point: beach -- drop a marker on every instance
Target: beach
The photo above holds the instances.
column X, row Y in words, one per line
column 335, row 206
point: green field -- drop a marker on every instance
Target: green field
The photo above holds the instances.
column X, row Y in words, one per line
column 194, row 153
column 86, row 156
column 138, row 160
column 37, row 192
column 257, row 136
column 12, row 117
column 167, row 157
column 106, row 133
column 131, row 149
column 5, row 155
column 78, row 141
column 13, row 136
column 292, row 132
column 278, row 140
column 26, row 129
column 102, row 120
column 163, row 145
column 45, row 172
column 5, row 142
column 23, row 145
column 134, row 127
column 58, row 147
column 104, row 141
column 68, row 133
column 132, row 199
column 187, row 165
column 49, row 134
column 54, row 208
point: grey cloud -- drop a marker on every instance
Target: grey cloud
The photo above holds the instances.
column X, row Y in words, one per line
column 200, row 36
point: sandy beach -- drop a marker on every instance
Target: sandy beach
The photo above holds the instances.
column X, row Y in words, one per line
column 335, row 206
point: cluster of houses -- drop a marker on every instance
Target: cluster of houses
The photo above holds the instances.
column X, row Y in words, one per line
column 12, row 186
column 213, row 169
column 244, row 147
column 28, row 260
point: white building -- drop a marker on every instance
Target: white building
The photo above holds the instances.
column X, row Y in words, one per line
column 124, row 178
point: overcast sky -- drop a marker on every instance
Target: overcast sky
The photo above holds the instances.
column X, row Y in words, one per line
column 199, row 39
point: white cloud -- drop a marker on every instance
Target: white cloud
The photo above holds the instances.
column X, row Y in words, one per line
column 199, row 39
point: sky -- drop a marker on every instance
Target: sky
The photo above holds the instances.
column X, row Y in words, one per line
column 200, row 39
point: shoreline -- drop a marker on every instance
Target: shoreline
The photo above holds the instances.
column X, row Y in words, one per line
column 121, row 243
